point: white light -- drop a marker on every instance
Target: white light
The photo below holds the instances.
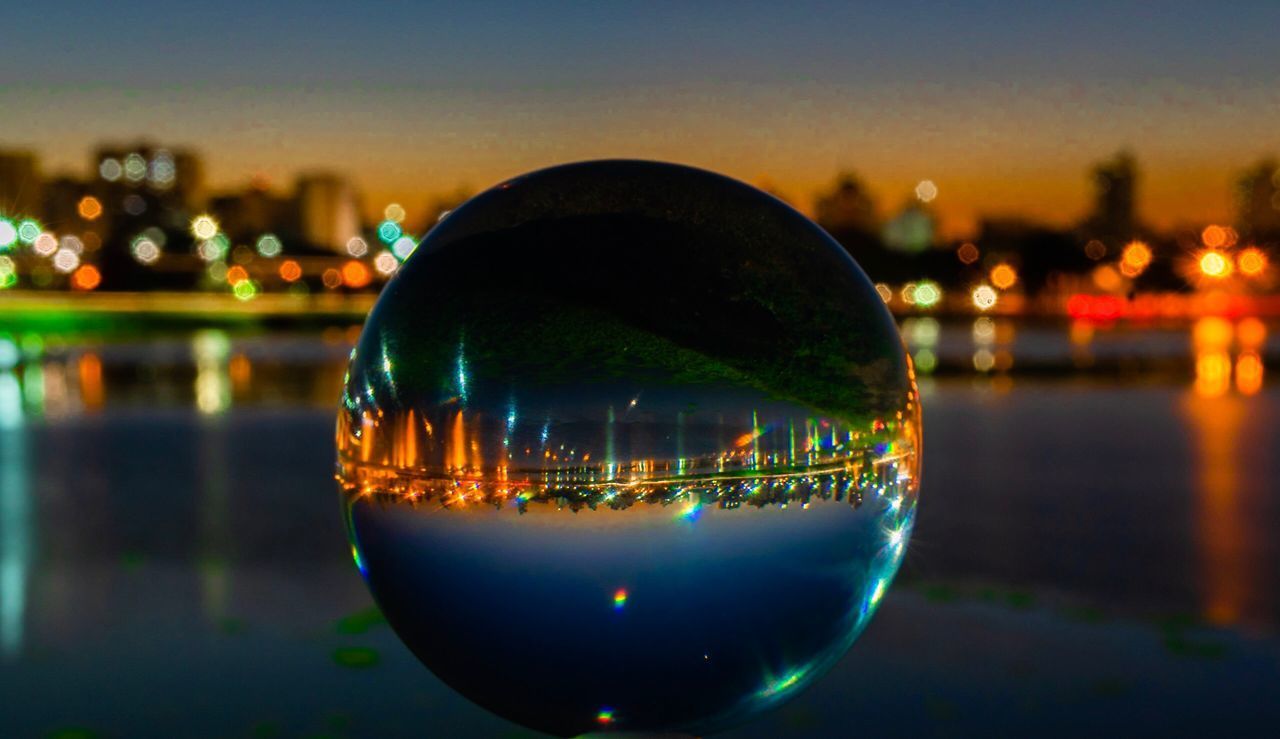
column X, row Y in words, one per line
column 71, row 244
column 135, row 167
column 163, row 170
column 110, row 169
column 984, row 297
column 204, row 227
column 357, row 247
column 386, row 262
column 403, row 247
column 926, row 190
column 8, row 234
column 146, row 251
column 45, row 244
column 66, row 261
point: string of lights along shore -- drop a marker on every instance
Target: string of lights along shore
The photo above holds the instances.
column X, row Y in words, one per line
column 143, row 220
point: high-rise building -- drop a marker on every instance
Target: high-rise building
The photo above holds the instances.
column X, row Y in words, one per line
column 20, row 184
column 1258, row 202
column 1114, row 218
column 328, row 212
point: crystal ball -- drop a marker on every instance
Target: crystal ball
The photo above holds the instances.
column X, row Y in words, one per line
column 628, row 446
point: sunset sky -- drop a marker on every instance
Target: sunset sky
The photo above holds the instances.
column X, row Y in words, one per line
column 1003, row 105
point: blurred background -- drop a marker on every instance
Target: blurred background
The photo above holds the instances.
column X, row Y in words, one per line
column 1074, row 214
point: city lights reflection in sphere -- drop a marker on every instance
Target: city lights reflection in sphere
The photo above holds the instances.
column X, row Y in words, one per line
column 628, row 446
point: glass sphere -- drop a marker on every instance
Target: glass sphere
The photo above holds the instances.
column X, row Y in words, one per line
column 628, row 446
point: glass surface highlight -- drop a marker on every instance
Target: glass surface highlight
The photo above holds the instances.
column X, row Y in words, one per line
column 628, row 446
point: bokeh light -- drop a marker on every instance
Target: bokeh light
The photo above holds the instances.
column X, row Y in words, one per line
column 145, row 250
column 110, row 169
column 28, row 231
column 1135, row 258
column 394, row 213
column 71, row 243
column 1004, row 276
column 1107, row 278
column 89, row 208
column 1214, row 264
column 204, row 227
column 331, row 278
column 1095, row 249
column 927, row 294
column 163, row 170
column 403, row 247
column 8, row 272
column 386, row 262
column 213, row 249
column 269, row 245
column 967, row 253
column 66, row 261
column 389, row 231
column 45, row 244
column 356, row 275
column 236, row 275
column 926, row 191
column 1214, row 237
column 357, row 247
column 290, row 270
column 984, row 297
column 1251, row 261
column 245, row 289
column 87, row 277
column 8, row 233
column 135, row 167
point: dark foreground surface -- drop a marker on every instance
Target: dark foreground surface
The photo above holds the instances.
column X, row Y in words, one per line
column 1087, row 559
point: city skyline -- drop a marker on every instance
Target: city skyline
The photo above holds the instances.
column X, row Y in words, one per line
column 1003, row 113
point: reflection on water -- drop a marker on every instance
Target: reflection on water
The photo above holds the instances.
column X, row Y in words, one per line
column 130, row 538
column 15, row 517
column 1224, row 533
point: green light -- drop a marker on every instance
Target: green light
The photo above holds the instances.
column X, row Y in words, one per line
column 928, row 294
column 777, row 687
column 605, row 716
column 245, row 290
column 389, row 231
column 28, row 230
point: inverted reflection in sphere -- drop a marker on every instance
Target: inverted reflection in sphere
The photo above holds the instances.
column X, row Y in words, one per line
column 628, row 446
